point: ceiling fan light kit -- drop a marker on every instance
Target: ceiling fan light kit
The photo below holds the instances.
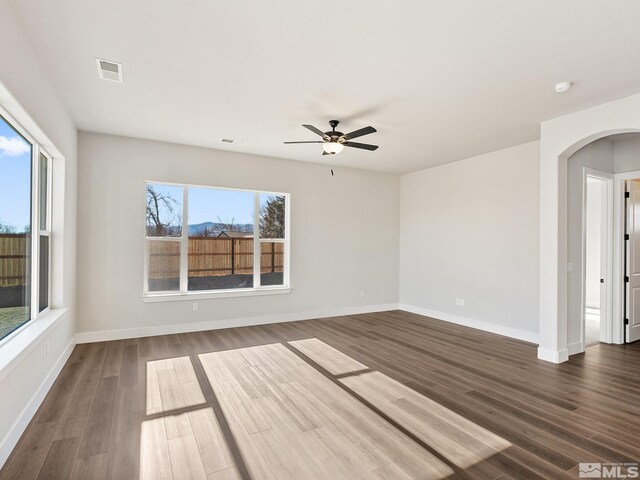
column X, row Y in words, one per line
column 332, row 147
column 334, row 142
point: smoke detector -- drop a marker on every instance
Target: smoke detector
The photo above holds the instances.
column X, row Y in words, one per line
column 108, row 70
column 563, row 87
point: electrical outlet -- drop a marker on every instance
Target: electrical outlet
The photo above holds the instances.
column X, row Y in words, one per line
column 460, row 302
column 362, row 293
column 195, row 306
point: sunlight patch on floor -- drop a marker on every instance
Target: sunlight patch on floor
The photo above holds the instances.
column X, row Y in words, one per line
column 290, row 418
column 292, row 422
column 172, row 384
column 332, row 360
column 197, row 451
column 460, row 440
column 182, row 438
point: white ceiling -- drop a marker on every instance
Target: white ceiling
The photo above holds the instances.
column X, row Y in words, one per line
column 440, row 80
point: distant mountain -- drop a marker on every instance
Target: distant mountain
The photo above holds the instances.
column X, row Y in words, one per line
column 214, row 228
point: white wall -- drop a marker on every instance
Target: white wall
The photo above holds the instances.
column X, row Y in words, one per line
column 344, row 235
column 26, row 93
column 469, row 230
column 593, row 230
column 626, row 153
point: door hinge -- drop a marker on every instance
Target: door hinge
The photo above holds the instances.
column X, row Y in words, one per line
column 626, row 194
column 626, row 236
column 626, row 321
column 626, row 279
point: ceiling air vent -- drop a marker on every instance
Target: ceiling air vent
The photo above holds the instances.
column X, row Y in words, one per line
column 108, row 70
column 234, row 141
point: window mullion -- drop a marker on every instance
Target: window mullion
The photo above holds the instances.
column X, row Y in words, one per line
column 47, row 224
column 257, row 257
column 35, row 231
column 145, row 276
column 287, row 242
column 49, row 192
column 184, row 242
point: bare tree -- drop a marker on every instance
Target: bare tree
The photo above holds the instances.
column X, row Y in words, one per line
column 227, row 225
column 6, row 228
column 208, row 231
column 164, row 214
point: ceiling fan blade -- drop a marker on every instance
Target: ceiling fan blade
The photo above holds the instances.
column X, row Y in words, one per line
column 316, row 130
column 360, row 133
column 364, row 146
column 313, row 141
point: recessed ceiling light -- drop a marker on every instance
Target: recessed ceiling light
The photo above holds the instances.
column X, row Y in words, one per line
column 563, row 87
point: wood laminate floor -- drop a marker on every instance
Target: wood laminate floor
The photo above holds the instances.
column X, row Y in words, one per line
column 385, row 396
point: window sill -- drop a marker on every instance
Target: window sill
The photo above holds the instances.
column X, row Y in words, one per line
column 249, row 292
column 23, row 340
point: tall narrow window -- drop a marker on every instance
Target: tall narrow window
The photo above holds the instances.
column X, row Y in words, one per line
column 16, row 155
column 44, row 247
column 163, row 237
column 203, row 239
column 272, row 238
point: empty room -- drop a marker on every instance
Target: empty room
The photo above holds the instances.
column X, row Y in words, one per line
column 282, row 240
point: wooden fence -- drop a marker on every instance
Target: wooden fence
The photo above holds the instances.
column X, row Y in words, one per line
column 207, row 257
column 213, row 256
column 14, row 259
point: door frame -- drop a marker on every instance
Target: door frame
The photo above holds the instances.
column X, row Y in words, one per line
column 607, row 312
column 618, row 327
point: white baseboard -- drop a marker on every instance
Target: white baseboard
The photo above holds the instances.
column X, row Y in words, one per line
column 470, row 322
column 576, row 347
column 553, row 356
column 107, row 335
column 11, row 438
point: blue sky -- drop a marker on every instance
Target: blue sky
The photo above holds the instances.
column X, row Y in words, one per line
column 207, row 204
column 15, row 178
column 211, row 205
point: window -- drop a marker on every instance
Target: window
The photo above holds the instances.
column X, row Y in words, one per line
column 214, row 240
column 272, row 236
column 25, row 189
column 44, row 234
column 164, row 237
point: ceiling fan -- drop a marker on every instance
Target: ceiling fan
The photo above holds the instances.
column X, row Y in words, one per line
column 334, row 142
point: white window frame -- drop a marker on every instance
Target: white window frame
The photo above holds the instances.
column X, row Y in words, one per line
column 47, row 231
column 183, row 293
column 36, row 150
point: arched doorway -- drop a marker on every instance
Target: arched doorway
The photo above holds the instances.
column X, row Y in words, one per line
column 596, row 176
column 560, row 138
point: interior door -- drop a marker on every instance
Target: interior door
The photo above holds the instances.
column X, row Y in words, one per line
column 633, row 261
column 605, row 247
